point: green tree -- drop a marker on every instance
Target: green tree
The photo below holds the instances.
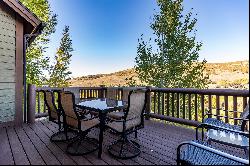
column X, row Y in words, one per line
column 60, row 71
column 172, row 60
column 37, row 62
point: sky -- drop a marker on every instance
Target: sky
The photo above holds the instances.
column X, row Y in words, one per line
column 105, row 32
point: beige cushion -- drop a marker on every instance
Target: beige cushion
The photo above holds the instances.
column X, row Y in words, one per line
column 118, row 126
column 85, row 125
column 116, row 115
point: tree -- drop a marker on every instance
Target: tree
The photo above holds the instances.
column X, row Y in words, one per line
column 60, row 71
column 172, row 60
column 36, row 61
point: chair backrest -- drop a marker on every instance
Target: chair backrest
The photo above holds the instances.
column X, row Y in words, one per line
column 75, row 90
column 111, row 93
column 125, row 94
column 136, row 104
column 50, row 103
column 244, row 115
column 67, row 100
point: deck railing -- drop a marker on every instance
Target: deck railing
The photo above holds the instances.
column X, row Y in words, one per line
column 188, row 106
column 180, row 105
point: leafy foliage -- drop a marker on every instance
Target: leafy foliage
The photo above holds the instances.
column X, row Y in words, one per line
column 36, row 61
column 59, row 74
column 172, row 60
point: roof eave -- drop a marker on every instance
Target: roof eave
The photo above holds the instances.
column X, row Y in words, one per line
column 24, row 12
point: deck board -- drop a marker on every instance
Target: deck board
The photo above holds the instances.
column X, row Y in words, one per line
column 29, row 148
column 6, row 154
column 30, row 144
column 51, row 128
column 61, row 156
column 42, row 149
column 18, row 152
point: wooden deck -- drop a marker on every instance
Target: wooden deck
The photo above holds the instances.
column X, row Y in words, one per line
column 30, row 144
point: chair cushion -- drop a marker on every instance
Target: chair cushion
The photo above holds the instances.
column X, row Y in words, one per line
column 116, row 115
column 218, row 123
column 118, row 126
column 88, row 124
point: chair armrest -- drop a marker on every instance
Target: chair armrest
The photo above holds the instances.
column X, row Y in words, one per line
column 82, row 113
column 212, row 150
column 117, row 120
column 205, row 125
column 241, row 119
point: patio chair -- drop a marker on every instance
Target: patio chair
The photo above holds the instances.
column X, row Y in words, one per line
column 111, row 93
column 119, row 114
column 56, row 117
column 201, row 153
column 212, row 123
column 132, row 120
column 79, row 120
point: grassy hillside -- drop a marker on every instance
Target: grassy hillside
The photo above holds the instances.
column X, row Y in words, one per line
column 222, row 75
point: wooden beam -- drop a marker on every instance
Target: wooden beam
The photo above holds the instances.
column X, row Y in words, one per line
column 19, row 70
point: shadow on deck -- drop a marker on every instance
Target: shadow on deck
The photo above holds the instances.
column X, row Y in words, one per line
column 30, row 144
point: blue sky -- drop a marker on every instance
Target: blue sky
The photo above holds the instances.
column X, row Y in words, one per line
column 105, row 32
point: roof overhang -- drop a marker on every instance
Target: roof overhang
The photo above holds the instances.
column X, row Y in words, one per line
column 32, row 23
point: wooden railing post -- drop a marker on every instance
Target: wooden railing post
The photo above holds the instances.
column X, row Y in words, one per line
column 102, row 94
column 148, row 103
column 31, row 111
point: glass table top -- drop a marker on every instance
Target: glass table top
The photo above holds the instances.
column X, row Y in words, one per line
column 102, row 104
column 228, row 137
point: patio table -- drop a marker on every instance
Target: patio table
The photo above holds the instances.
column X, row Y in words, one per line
column 102, row 106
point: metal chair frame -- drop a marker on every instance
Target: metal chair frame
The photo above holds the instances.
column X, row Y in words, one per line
column 56, row 136
column 125, row 132
column 228, row 128
column 81, row 135
column 209, row 149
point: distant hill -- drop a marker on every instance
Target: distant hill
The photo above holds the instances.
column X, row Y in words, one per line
column 222, row 75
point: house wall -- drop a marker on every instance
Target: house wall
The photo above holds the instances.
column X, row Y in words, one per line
column 7, row 65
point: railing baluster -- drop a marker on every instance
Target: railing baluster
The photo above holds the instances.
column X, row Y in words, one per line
column 196, row 107
column 184, row 106
column 178, row 104
column 38, row 103
column 218, row 106
column 202, row 107
column 167, row 105
column 154, row 101
column 226, row 108
column 235, row 109
column 158, row 102
column 44, row 106
column 148, row 104
column 163, row 104
column 88, row 93
column 189, row 107
column 210, row 106
column 173, row 105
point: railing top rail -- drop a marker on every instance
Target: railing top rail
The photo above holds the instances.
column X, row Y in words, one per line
column 221, row 92
column 84, row 88
column 47, row 88
column 125, row 87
